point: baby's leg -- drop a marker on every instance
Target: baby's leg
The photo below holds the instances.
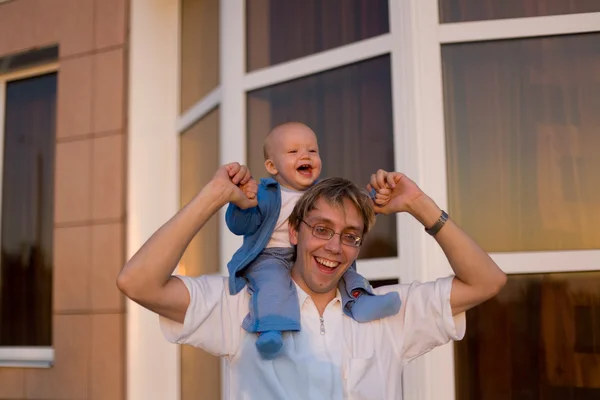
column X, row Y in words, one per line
column 274, row 302
column 359, row 301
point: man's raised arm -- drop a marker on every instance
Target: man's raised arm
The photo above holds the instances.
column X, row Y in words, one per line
column 478, row 277
column 146, row 277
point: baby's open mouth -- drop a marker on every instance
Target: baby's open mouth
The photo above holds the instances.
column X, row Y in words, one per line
column 305, row 169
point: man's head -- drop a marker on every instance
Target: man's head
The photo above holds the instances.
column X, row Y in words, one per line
column 292, row 155
column 337, row 207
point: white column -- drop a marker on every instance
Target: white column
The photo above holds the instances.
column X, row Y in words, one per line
column 152, row 189
column 232, row 116
column 420, row 153
column 232, row 135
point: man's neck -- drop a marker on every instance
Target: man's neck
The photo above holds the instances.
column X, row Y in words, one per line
column 321, row 300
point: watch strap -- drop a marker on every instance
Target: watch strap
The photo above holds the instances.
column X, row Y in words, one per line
column 433, row 230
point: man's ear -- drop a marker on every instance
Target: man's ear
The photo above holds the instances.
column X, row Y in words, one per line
column 293, row 232
column 270, row 167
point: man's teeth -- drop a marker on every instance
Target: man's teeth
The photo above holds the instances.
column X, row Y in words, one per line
column 327, row 263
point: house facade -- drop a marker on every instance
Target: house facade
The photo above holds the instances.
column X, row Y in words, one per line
column 114, row 113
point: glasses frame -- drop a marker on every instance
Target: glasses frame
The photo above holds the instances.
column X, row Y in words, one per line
column 332, row 233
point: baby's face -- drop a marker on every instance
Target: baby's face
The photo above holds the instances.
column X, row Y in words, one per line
column 295, row 154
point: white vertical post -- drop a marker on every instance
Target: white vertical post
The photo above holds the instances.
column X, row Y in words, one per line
column 232, row 122
column 420, row 153
column 152, row 363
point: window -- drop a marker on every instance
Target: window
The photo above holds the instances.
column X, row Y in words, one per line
column 477, row 10
column 279, row 31
column 539, row 339
column 522, row 139
column 350, row 110
column 199, row 158
column 522, row 144
column 199, row 49
column 28, row 125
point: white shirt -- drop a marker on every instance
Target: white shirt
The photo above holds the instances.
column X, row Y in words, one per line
column 350, row 361
column 281, row 236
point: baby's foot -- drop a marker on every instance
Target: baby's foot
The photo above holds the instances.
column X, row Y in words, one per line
column 269, row 344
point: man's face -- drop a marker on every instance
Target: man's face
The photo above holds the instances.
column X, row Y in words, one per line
column 321, row 263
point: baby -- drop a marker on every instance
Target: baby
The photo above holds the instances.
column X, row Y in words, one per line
column 263, row 262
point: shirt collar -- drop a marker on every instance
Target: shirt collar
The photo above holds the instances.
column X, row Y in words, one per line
column 303, row 296
column 269, row 181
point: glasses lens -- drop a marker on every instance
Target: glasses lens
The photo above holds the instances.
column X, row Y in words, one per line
column 351, row 240
column 322, row 233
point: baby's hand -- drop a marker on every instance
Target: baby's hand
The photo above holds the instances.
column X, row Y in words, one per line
column 250, row 189
column 380, row 196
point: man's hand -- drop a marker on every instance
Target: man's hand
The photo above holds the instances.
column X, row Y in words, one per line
column 248, row 186
column 236, row 183
column 394, row 192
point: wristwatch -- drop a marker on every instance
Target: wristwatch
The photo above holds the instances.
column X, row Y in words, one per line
column 438, row 225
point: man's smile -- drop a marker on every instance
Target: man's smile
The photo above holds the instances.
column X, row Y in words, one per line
column 326, row 266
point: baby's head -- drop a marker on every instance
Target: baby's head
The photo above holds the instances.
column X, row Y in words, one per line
column 292, row 155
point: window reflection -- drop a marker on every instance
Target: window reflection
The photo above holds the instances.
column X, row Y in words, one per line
column 28, row 212
column 477, row 10
column 538, row 340
column 350, row 109
column 199, row 50
column 279, row 31
column 522, row 141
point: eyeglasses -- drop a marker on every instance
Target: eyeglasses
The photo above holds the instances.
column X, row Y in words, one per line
column 322, row 232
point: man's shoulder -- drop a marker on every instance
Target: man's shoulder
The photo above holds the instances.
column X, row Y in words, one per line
column 213, row 283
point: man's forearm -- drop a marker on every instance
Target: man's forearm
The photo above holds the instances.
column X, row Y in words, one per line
column 481, row 277
column 151, row 267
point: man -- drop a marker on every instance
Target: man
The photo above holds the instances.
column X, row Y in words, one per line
column 333, row 356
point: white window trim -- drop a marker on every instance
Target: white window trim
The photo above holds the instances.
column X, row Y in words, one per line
column 319, row 62
column 199, row 110
column 28, row 356
column 379, row 268
column 460, row 32
column 548, row 261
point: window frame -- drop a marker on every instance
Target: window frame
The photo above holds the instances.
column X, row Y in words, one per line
column 23, row 356
column 434, row 373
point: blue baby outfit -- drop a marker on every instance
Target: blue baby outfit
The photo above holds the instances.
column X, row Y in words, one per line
column 266, row 271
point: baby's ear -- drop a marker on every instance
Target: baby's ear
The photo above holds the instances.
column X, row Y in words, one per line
column 270, row 167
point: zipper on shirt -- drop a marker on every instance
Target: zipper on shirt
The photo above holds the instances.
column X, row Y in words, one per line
column 322, row 325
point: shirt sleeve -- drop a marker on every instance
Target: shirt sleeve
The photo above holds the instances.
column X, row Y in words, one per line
column 213, row 318
column 425, row 319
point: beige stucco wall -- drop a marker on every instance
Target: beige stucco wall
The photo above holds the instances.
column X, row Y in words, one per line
column 89, row 240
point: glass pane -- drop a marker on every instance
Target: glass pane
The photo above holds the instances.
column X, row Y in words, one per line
column 199, row 50
column 199, row 157
column 477, row 10
column 279, row 31
column 350, row 110
column 538, row 340
column 522, row 127
column 28, row 212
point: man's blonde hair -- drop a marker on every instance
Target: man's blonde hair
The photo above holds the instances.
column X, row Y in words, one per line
column 334, row 191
